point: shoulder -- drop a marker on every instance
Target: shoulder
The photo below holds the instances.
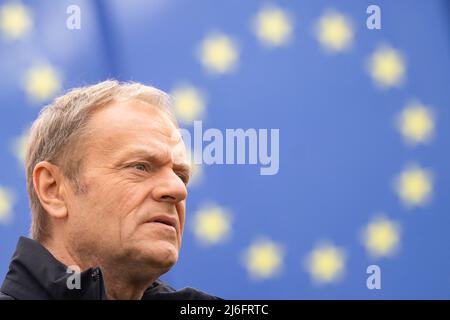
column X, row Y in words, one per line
column 4, row 296
column 162, row 291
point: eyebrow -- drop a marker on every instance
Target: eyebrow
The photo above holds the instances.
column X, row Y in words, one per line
column 155, row 158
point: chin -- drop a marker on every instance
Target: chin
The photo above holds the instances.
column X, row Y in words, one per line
column 162, row 254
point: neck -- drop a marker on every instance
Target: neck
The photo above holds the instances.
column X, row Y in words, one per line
column 120, row 279
column 119, row 287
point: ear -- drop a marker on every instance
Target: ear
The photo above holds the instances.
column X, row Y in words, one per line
column 48, row 184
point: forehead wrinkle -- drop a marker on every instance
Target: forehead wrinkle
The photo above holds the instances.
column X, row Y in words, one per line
column 161, row 155
column 139, row 131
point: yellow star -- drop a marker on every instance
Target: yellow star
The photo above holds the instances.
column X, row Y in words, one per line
column 20, row 146
column 7, row 199
column 381, row 237
column 15, row 20
column 326, row 263
column 414, row 186
column 387, row 67
column 334, row 32
column 42, row 82
column 212, row 224
column 189, row 103
column 219, row 53
column 416, row 123
column 273, row 26
column 264, row 259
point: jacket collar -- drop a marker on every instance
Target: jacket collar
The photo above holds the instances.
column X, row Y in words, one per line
column 34, row 273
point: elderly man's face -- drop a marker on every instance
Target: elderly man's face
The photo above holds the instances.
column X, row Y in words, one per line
column 135, row 171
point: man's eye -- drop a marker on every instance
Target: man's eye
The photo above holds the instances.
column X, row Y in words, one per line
column 140, row 166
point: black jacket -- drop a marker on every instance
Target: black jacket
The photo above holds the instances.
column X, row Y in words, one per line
column 34, row 274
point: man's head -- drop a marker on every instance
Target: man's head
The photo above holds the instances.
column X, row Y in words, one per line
column 107, row 173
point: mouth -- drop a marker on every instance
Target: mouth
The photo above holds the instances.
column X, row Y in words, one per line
column 164, row 220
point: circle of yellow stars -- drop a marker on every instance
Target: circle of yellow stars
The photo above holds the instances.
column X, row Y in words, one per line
column 219, row 54
column 273, row 27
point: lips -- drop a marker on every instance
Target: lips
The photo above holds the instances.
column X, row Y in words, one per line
column 164, row 219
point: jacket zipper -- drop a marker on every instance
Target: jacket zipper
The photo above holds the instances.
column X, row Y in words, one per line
column 98, row 278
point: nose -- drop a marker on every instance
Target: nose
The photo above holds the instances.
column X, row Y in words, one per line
column 170, row 188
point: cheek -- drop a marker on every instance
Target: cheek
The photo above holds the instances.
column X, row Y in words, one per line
column 181, row 209
column 126, row 205
column 111, row 201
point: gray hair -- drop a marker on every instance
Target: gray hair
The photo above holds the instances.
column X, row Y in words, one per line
column 60, row 127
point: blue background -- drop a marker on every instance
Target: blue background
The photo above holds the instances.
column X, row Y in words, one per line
column 339, row 148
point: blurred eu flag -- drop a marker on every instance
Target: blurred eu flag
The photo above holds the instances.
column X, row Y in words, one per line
column 359, row 91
